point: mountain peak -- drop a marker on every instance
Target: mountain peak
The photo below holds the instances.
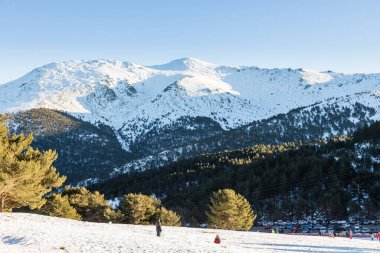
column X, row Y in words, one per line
column 184, row 64
column 118, row 91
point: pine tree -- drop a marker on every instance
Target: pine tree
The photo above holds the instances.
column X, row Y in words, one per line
column 59, row 206
column 92, row 206
column 169, row 218
column 26, row 174
column 139, row 209
column 230, row 210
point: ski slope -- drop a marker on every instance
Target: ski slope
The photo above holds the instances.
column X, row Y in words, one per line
column 33, row 233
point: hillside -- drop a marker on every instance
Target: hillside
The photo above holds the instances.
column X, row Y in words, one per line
column 164, row 113
column 84, row 150
column 320, row 120
column 32, row 233
column 336, row 178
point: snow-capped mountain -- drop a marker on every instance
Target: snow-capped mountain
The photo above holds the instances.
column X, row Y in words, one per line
column 186, row 100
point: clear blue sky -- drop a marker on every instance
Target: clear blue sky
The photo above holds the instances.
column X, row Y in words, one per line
column 341, row 35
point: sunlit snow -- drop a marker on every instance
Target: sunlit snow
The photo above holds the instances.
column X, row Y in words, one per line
column 29, row 233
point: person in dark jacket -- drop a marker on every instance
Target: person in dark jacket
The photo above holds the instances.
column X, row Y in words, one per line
column 158, row 228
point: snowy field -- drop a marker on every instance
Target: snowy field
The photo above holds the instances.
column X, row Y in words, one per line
column 33, row 233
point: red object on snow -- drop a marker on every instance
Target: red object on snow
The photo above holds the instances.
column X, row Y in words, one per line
column 378, row 236
column 217, row 240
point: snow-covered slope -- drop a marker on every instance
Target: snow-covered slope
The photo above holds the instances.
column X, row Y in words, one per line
column 29, row 233
column 167, row 112
column 133, row 98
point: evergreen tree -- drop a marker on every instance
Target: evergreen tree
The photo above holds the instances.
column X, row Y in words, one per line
column 169, row 218
column 230, row 210
column 90, row 205
column 26, row 174
column 59, row 206
column 139, row 209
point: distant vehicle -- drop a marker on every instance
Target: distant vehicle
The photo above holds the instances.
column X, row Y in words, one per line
column 340, row 229
column 357, row 231
column 268, row 226
column 345, row 226
column 365, row 230
column 357, row 226
column 330, row 231
column 289, row 226
column 333, row 222
column 319, row 227
column 203, row 225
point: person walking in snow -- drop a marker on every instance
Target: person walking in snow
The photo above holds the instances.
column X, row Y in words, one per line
column 378, row 236
column 158, row 227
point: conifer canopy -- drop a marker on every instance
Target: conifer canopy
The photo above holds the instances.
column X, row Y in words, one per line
column 143, row 209
column 139, row 209
column 26, row 174
column 169, row 217
column 92, row 206
column 230, row 210
column 59, row 206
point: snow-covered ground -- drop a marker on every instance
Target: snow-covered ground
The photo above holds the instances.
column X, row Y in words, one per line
column 33, row 233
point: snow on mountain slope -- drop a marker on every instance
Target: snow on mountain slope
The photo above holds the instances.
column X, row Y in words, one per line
column 133, row 98
column 31, row 233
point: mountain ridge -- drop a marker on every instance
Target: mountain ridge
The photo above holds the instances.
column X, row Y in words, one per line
column 149, row 108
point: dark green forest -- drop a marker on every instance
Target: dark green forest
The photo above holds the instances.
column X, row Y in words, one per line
column 80, row 145
column 335, row 178
column 92, row 149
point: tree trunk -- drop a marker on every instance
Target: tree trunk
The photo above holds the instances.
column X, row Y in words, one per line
column 2, row 202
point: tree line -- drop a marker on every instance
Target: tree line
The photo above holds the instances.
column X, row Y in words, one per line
column 336, row 178
column 29, row 181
